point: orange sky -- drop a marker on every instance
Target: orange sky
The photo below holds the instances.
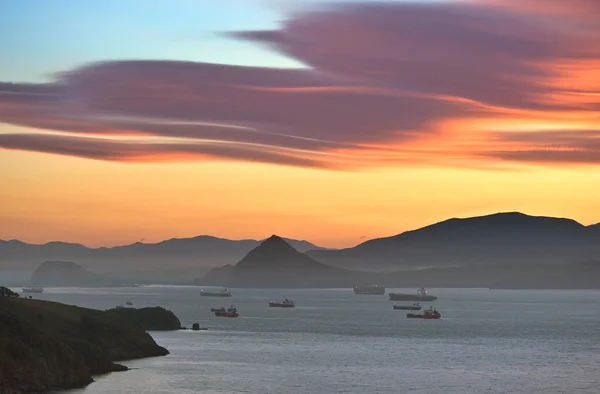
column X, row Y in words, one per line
column 104, row 203
column 459, row 108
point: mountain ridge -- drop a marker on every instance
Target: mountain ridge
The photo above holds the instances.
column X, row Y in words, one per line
column 489, row 239
column 275, row 263
column 199, row 252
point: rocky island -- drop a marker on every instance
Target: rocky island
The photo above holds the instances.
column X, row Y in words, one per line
column 48, row 346
column 151, row 319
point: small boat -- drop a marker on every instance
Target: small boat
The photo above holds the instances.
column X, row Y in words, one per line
column 370, row 290
column 34, row 289
column 230, row 312
column 420, row 296
column 430, row 313
column 222, row 293
column 221, row 309
column 414, row 307
column 284, row 304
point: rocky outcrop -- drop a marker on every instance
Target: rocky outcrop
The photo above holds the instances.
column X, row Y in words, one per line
column 152, row 319
column 50, row 346
column 6, row 292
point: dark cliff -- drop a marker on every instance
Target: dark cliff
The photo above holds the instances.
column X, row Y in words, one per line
column 49, row 346
column 155, row 318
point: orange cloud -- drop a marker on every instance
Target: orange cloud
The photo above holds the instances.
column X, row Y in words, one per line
column 452, row 83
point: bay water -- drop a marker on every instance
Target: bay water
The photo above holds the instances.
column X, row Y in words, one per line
column 487, row 341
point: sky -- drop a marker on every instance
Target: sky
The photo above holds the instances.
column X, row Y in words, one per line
column 334, row 122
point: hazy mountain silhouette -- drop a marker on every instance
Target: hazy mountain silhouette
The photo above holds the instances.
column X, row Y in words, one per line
column 201, row 251
column 66, row 273
column 275, row 263
column 493, row 239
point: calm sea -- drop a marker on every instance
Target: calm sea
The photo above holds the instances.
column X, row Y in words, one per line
column 338, row 342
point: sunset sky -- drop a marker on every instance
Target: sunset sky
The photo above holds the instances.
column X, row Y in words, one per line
column 336, row 122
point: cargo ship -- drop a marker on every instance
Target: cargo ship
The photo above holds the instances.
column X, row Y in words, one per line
column 284, row 304
column 420, row 296
column 413, row 307
column 370, row 290
column 230, row 312
column 221, row 293
column 33, row 289
column 431, row 313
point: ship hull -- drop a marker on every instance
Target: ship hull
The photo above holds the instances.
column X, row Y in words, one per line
column 411, row 297
column 407, row 308
column 278, row 305
column 204, row 294
column 433, row 316
column 226, row 314
column 370, row 291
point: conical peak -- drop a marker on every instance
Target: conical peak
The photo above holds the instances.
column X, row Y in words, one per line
column 273, row 240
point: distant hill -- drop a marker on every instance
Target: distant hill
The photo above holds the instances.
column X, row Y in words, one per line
column 177, row 253
column 275, row 263
column 66, row 273
column 501, row 238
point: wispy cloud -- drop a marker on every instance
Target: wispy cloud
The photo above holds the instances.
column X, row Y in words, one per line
column 387, row 84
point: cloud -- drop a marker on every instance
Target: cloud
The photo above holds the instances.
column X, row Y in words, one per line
column 385, row 82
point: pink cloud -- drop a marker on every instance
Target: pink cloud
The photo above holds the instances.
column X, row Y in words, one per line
column 381, row 74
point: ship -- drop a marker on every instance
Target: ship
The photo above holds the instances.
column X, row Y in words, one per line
column 370, row 290
column 221, row 309
column 414, row 307
column 431, row 313
column 221, row 293
column 33, row 289
column 230, row 312
column 284, row 304
column 420, row 296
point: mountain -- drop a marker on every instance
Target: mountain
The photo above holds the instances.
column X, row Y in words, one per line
column 500, row 238
column 275, row 263
column 173, row 254
column 66, row 273
column 594, row 227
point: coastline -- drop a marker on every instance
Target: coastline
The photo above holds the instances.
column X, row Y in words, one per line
column 48, row 346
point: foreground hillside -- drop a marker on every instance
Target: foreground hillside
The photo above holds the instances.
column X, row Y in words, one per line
column 49, row 346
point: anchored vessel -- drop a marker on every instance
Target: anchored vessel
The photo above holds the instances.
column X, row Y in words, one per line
column 414, row 307
column 420, row 296
column 430, row 313
column 222, row 293
column 370, row 290
column 284, row 304
column 33, row 289
column 230, row 312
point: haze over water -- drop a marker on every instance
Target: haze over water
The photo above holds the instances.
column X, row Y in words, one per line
column 338, row 342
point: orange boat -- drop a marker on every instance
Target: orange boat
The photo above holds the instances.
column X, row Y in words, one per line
column 428, row 314
column 230, row 312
